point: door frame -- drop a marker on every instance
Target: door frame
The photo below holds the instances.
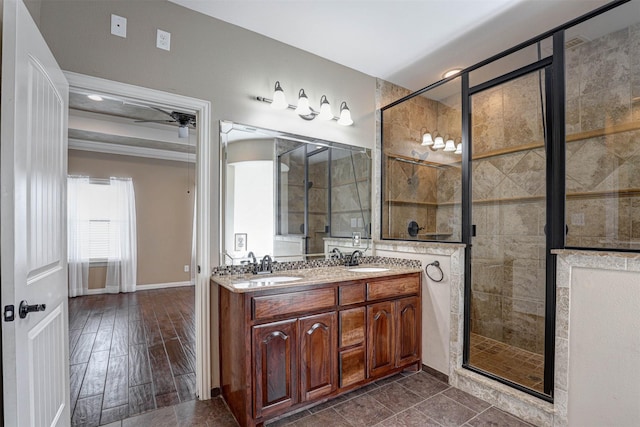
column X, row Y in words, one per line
column 202, row 109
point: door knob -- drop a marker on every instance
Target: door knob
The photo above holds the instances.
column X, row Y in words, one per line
column 25, row 308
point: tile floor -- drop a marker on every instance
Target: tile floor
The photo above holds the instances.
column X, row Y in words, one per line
column 409, row 399
column 512, row 363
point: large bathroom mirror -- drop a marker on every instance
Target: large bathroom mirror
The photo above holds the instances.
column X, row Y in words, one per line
column 289, row 196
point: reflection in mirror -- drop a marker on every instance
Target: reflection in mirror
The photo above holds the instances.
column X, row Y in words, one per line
column 422, row 175
column 291, row 197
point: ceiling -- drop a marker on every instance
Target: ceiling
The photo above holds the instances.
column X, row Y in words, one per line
column 407, row 42
column 111, row 126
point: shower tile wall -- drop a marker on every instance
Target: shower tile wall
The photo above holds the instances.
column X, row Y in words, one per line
column 603, row 89
column 318, row 209
column 428, row 195
column 345, row 194
column 508, row 276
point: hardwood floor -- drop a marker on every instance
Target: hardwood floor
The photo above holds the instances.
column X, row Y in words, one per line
column 130, row 353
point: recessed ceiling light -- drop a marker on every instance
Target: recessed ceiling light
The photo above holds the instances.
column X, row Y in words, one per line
column 94, row 97
column 451, row 72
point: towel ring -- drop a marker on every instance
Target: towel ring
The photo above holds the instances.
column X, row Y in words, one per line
column 436, row 266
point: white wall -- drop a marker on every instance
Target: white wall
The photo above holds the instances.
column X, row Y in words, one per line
column 436, row 306
column 604, row 348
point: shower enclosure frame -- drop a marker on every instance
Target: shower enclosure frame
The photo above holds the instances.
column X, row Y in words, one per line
column 555, row 143
column 554, row 201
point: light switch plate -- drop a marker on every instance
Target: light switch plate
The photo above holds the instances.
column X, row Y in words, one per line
column 119, row 26
column 163, row 40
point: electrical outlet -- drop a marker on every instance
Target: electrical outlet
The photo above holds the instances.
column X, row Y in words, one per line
column 186, row 268
column 163, row 40
column 119, row 26
column 356, row 238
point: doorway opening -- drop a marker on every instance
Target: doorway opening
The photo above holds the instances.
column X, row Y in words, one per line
column 161, row 141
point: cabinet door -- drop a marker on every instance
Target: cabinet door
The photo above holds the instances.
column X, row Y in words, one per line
column 408, row 331
column 275, row 358
column 381, row 338
column 318, row 355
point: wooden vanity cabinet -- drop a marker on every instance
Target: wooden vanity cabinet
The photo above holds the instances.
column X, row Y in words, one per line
column 287, row 347
column 275, row 356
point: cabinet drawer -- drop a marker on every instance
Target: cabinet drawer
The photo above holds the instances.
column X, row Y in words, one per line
column 394, row 287
column 352, row 327
column 352, row 366
column 352, row 294
column 268, row 306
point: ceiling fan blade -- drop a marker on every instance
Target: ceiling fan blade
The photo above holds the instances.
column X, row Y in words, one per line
column 154, row 121
column 163, row 111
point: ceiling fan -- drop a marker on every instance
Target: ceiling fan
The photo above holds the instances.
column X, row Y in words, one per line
column 184, row 120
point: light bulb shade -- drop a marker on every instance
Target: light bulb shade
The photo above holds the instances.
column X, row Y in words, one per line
column 183, row 132
column 279, row 100
column 438, row 143
column 458, row 149
column 345, row 115
column 325, row 109
column 427, row 139
column 303, row 108
column 450, row 145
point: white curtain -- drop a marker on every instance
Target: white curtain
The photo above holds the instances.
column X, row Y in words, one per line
column 77, row 238
column 122, row 264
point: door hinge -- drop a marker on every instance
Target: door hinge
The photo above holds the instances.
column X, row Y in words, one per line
column 198, row 269
column 9, row 313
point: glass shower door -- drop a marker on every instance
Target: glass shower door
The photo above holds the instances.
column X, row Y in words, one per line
column 508, row 212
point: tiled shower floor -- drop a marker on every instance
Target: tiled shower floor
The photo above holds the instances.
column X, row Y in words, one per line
column 512, row 363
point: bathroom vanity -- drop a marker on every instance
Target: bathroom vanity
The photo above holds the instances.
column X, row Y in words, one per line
column 310, row 335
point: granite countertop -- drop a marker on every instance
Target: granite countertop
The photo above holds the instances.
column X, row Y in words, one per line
column 310, row 276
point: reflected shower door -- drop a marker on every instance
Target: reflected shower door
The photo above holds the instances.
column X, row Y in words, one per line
column 508, row 211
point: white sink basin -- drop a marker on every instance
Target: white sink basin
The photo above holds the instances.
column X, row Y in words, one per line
column 275, row 279
column 368, row 269
column 265, row 281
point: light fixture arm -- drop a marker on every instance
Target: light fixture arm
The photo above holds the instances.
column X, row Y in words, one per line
column 311, row 116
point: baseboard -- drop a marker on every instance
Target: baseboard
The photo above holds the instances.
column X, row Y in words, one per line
column 99, row 291
column 162, row 285
column 439, row 375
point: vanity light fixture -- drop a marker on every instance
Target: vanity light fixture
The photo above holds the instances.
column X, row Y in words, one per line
column 427, row 139
column 449, row 145
column 279, row 100
column 95, row 97
column 458, row 149
column 345, row 115
column 304, row 110
column 325, row 109
column 438, row 143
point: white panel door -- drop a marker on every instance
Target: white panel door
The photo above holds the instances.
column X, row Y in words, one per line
column 33, row 219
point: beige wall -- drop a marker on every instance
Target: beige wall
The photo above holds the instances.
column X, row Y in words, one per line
column 164, row 211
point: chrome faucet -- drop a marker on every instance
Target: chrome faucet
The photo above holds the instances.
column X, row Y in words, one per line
column 265, row 266
column 336, row 254
column 354, row 258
